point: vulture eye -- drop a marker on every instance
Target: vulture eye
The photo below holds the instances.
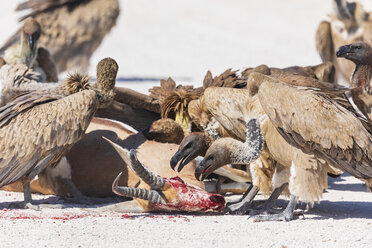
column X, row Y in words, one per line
column 211, row 157
column 188, row 146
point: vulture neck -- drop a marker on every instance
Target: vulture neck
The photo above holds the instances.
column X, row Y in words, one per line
column 361, row 91
column 240, row 152
column 27, row 56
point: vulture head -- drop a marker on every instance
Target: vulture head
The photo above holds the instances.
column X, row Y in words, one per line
column 193, row 145
column 30, row 35
column 106, row 70
column 360, row 53
column 230, row 151
column 165, row 131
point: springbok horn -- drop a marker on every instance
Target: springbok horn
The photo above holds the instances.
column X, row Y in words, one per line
column 130, row 158
column 146, row 194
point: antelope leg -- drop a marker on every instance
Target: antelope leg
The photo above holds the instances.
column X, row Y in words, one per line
column 122, row 207
column 78, row 197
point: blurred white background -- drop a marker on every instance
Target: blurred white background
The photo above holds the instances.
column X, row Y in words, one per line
column 185, row 38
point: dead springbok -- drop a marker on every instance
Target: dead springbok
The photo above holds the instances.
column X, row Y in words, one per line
column 93, row 164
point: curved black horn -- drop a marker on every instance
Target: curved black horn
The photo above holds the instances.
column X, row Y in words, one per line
column 146, row 194
column 149, row 177
column 130, row 158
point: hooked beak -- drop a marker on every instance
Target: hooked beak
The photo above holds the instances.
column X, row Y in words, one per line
column 201, row 172
column 343, row 51
column 185, row 159
column 174, row 160
column 32, row 42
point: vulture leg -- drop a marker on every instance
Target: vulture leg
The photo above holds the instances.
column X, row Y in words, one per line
column 244, row 204
column 268, row 206
column 27, row 203
column 286, row 215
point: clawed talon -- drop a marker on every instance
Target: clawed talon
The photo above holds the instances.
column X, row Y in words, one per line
column 265, row 211
column 239, row 208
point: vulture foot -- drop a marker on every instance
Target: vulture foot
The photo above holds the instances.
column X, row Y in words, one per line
column 245, row 204
column 268, row 206
column 286, row 215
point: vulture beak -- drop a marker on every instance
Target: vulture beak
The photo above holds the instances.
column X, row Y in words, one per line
column 201, row 172
column 185, row 159
column 32, row 42
column 175, row 159
column 344, row 51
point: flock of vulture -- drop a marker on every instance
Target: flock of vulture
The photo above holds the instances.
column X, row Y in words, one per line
column 263, row 130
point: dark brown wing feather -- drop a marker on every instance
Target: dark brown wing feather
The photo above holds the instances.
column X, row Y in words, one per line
column 316, row 123
column 35, row 135
column 38, row 6
column 228, row 78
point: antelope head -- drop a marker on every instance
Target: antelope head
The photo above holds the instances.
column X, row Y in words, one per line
column 165, row 194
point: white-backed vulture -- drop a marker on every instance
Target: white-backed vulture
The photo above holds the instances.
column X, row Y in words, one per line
column 242, row 106
column 360, row 53
column 26, row 51
column 349, row 23
column 71, row 29
column 320, row 123
column 38, row 128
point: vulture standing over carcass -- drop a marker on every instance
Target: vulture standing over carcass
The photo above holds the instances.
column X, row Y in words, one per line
column 349, row 23
column 311, row 120
column 38, row 128
column 26, row 51
column 71, row 29
column 243, row 106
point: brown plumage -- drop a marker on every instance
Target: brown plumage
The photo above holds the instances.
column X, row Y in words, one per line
column 360, row 53
column 71, row 29
column 28, row 52
column 233, row 109
column 174, row 100
column 19, row 79
column 164, row 131
column 321, row 74
column 39, row 127
column 302, row 124
column 349, row 23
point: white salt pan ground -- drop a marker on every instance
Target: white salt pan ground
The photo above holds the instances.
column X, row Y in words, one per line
column 183, row 39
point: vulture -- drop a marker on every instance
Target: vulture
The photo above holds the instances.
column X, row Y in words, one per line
column 71, row 29
column 360, row 53
column 219, row 113
column 26, row 51
column 38, row 128
column 313, row 125
column 348, row 24
column 234, row 110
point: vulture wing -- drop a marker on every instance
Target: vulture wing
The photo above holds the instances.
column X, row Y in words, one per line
column 38, row 128
column 324, row 42
column 232, row 108
column 315, row 122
